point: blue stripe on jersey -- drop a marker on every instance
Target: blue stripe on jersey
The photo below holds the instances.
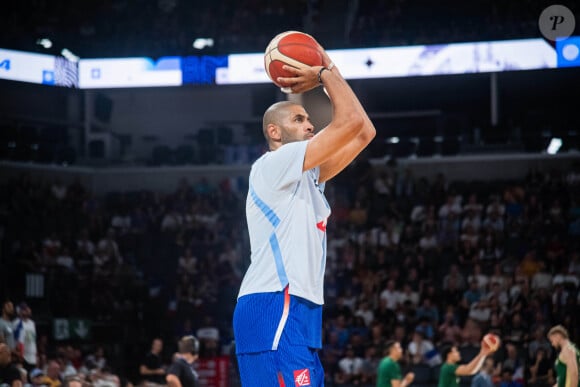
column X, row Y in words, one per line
column 274, row 220
column 267, row 211
column 278, row 259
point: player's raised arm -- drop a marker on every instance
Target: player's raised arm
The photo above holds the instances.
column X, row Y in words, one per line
column 349, row 120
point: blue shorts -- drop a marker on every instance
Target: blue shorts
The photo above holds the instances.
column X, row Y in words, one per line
column 289, row 366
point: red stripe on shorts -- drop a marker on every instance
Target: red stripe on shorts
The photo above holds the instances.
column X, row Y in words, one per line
column 281, row 380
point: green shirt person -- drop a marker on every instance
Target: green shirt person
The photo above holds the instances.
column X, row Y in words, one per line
column 451, row 371
column 389, row 372
column 568, row 361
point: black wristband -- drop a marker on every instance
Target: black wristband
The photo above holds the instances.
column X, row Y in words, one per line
column 320, row 74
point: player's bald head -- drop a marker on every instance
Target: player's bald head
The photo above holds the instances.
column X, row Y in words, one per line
column 275, row 115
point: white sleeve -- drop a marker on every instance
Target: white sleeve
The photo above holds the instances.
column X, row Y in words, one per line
column 284, row 165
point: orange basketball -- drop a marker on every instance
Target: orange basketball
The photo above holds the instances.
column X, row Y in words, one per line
column 292, row 48
column 491, row 341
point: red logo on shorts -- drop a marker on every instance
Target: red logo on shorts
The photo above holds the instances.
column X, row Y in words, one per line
column 302, row 377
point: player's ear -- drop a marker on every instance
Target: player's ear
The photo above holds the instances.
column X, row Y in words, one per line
column 274, row 132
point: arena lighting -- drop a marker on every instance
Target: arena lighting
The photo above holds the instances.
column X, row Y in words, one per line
column 554, row 146
column 201, row 43
column 69, row 55
column 393, row 140
column 44, row 42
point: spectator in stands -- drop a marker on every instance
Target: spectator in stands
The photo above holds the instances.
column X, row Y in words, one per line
column 454, row 276
column 9, row 374
column 540, row 369
column 104, row 378
column 351, row 366
column 574, row 265
column 541, row 279
column 390, row 295
column 539, row 342
column 25, row 336
column 64, row 360
column 449, row 229
column 37, row 377
column 480, row 311
column 409, row 295
column 428, row 242
column 449, row 331
column 516, row 332
column 451, row 206
column 495, row 206
column 494, row 221
column 97, row 359
column 481, row 278
column 473, row 205
column 365, row 312
column 369, row 366
column 6, row 325
column 51, row 247
column 121, row 221
column 209, row 337
column 507, row 378
column 469, row 234
column 187, row 263
column 65, row 260
column 52, row 377
column 429, row 311
column 422, row 351
column 151, row 369
column 472, row 220
column 172, row 220
column 472, row 295
column 498, row 277
column 110, row 247
column 85, row 245
column 513, row 364
column 58, row 190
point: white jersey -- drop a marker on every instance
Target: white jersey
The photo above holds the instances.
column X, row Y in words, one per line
column 25, row 332
column 286, row 212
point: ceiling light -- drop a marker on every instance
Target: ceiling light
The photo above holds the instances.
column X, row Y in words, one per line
column 44, row 42
column 201, row 43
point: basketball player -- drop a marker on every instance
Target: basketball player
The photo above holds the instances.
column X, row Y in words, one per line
column 568, row 361
column 389, row 374
column 278, row 316
column 181, row 372
column 450, row 370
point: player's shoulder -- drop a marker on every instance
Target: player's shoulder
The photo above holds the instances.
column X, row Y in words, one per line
column 568, row 351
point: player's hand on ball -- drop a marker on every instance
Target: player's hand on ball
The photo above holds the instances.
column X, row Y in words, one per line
column 293, row 61
column 409, row 378
column 304, row 79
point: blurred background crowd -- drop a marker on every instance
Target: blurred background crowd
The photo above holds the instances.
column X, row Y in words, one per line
column 423, row 262
column 104, row 28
